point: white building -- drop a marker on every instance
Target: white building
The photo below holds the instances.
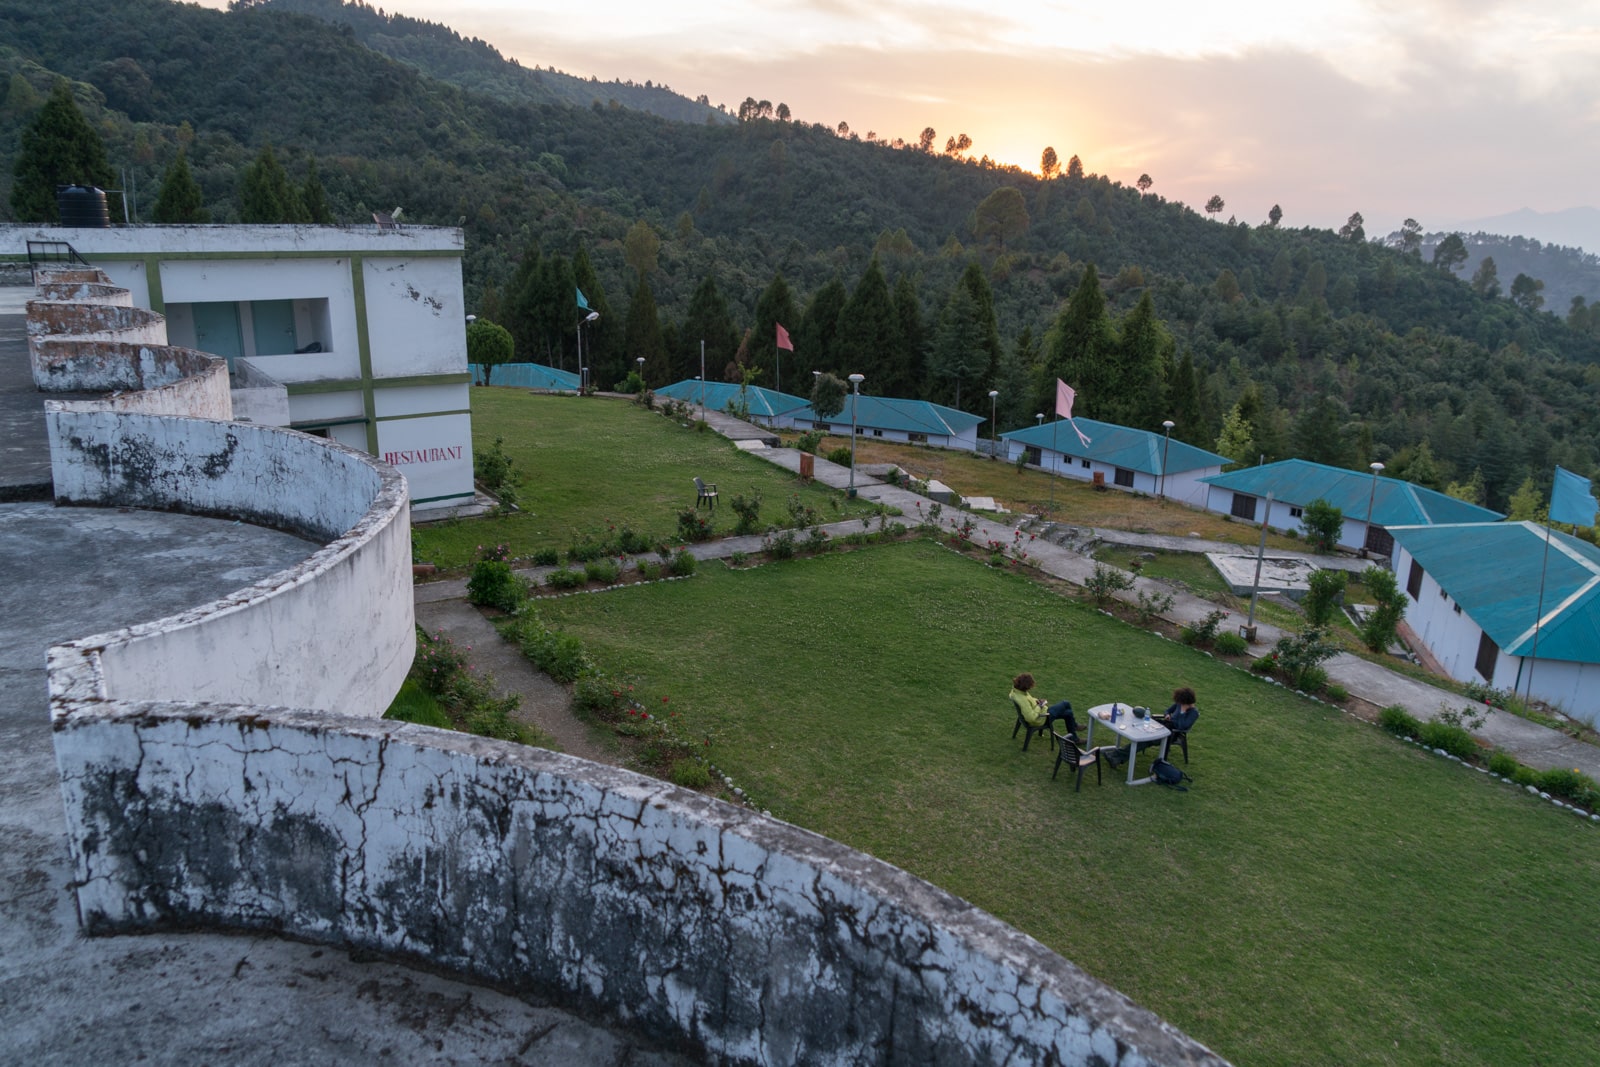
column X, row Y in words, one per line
column 1121, row 457
column 364, row 328
column 1477, row 590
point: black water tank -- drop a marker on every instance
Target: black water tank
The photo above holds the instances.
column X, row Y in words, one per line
column 82, row 207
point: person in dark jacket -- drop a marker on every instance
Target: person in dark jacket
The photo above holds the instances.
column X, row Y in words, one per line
column 1181, row 716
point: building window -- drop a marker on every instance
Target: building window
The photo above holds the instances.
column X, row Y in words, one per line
column 1456, row 608
column 1244, row 507
column 1124, row 478
column 877, row 433
column 1083, row 463
column 1414, row 580
column 1442, row 593
column 1295, row 513
column 917, row 438
column 1488, row 653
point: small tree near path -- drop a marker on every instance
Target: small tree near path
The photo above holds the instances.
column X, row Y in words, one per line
column 1323, row 523
column 488, row 345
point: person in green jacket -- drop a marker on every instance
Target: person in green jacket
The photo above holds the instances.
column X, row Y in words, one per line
column 1038, row 712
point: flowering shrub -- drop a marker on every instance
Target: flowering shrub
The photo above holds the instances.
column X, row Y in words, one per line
column 1201, row 634
column 692, row 526
column 495, row 553
column 438, row 661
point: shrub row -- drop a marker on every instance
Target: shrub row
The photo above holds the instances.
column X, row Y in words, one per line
column 1570, row 785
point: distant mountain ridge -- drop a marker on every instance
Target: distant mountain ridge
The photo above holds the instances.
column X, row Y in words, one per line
column 1575, row 227
column 474, row 64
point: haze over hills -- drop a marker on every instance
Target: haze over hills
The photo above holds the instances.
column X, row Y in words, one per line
column 1575, row 227
column 932, row 273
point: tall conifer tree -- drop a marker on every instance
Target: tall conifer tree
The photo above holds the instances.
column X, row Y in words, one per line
column 58, row 147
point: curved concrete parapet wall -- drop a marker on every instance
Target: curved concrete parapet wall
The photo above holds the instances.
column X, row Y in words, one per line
column 150, row 379
column 715, row 929
column 62, row 340
column 334, row 634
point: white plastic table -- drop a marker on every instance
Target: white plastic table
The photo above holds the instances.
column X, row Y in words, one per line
column 1141, row 731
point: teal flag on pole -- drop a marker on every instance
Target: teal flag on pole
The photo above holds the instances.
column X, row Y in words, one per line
column 584, row 304
column 1572, row 499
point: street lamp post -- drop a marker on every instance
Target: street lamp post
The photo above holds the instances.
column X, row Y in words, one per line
column 1371, row 494
column 1039, row 419
column 640, row 361
column 855, row 402
column 994, row 399
column 583, row 371
column 702, row 380
column 1161, row 490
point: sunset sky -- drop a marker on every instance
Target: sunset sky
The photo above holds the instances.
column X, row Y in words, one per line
column 1443, row 110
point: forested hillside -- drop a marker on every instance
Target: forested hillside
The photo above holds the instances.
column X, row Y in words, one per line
column 929, row 272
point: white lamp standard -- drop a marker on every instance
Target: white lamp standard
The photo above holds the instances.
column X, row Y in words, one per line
column 640, row 361
column 583, row 371
column 1039, row 419
column 1371, row 493
column 1161, row 491
column 994, row 398
column 855, row 402
column 702, row 380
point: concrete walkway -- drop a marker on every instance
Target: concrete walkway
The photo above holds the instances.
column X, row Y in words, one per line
column 1535, row 746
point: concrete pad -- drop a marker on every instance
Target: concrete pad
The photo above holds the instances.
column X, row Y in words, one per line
column 750, row 445
column 938, row 491
column 980, row 503
column 1284, row 575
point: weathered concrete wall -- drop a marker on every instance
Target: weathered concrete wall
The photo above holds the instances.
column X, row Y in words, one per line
column 62, row 339
column 709, row 926
column 336, row 633
column 257, row 396
column 147, row 379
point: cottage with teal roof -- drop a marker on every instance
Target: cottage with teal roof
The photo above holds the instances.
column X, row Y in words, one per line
column 1371, row 504
column 888, row 418
column 1476, row 590
column 766, row 406
column 1118, row 456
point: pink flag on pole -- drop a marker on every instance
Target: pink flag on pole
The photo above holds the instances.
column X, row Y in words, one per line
column 1064, row 398
column 783, row 337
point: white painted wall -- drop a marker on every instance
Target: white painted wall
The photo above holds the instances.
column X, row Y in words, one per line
column 434, row 454
column 697, row 922
column 416, row 316
column 1452, row 639
column 335, row 634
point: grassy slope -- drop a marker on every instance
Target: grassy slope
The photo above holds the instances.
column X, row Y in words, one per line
column 1322, row 895
column 587, row 463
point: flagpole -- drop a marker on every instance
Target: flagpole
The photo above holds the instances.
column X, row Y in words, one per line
column 1055, row 431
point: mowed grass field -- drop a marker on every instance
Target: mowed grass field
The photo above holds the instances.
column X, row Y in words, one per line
column 587, row 465
column 1323, row 894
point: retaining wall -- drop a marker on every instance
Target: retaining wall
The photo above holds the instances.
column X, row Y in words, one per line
column 712, row 928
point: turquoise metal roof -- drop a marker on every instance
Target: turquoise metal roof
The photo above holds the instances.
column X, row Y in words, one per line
column 1495, row 570
column 902, row 416
column 1118, row 446
column 1394, row 502
column 764, row 403
column 527, row 376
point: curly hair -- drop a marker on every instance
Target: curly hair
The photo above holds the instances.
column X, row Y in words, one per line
column 1184, row 696
column 1023, row 681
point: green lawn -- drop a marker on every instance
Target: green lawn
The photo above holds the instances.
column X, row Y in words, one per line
column 1324, row 894
column 587, row 464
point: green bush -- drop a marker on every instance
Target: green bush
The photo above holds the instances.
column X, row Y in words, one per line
column 1264, row 665
column 1569, row 784
column 559, row 655
column 415, row 704
column 1452, row 739
column 629, row 542
column 692, row 526
column 748, row 508
column 1337, row 692
column 1379, row 629
column 1323, row 523
column 494, row 470
column 1300, row 654
column 1231, row 644
column 1398, row 721
column 683, row 563
column 1107, row 582
column 493, row 585
column 650, row 570
column 841, row 455
column 1312, row 679
column 1503, row 764
column 605, row 571
column 566, row 579
column 546, row 557
column 808, row 441
column 597, row 697
column 1322, row 600
column 779, row 544
column 691, row 773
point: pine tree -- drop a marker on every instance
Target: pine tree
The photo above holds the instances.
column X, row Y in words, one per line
column 313, row 199
column 1184, row 404
column 866, row 333
column 643, row 337
column 957, row 361
column 180, row 199
column 814, row 346
column 775, row 308
column 1081, row 351
column 977, row 283
column 1237, row 440
column 1144, row 352
column 517, row 313
column 707, row 320
column 265, row 195
column 58, row 147
column 908, row 365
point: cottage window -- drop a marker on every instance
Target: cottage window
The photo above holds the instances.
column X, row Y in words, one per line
column 1244, row 507
column 1414, row 580
column 1124, row 478
column 917, row 438
column 1295, row 513
column 1083, row 463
